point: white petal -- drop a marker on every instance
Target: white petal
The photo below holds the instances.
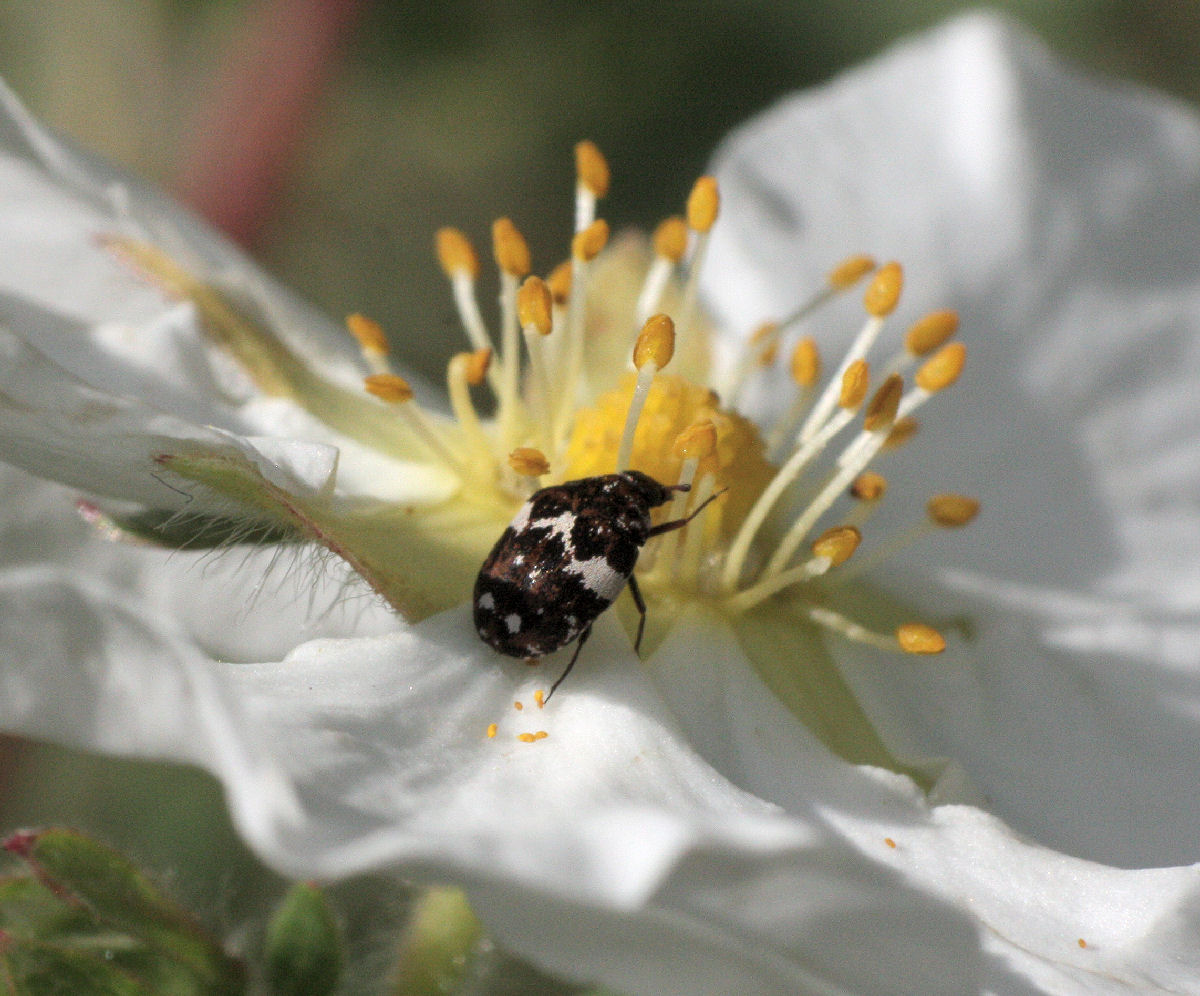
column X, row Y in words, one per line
column 1057, row 214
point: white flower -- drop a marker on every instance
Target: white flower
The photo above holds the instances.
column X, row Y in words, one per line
column 679, row 830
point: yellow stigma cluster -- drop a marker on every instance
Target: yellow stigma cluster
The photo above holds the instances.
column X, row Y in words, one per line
column 593, row 369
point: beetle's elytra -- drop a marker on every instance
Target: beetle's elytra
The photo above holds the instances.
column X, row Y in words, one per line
column 564, row 559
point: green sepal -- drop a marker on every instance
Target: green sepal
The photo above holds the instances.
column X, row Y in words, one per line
column 437, row 945
column 87, row 912
column 303, row 951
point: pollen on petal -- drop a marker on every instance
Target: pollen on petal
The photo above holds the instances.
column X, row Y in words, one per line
column 917, row 638
column 510, row 249
column 850, row 271
column 591, row 168
column 539, row 697
column 492, row 730
column 703, row 204
column 883, row 292
column 670, row 238
column 950, row 511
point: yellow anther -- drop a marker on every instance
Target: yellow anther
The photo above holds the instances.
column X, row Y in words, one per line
column 509, row 248
column 656, row 342
column 926, row 334
column 697, row 441
column 455, row 253
column 591, row 168
column 703, row 204
column 881, row 412
column 528, row 462
column 476, row 366
column 768, row 355
column 559, row 282
column 586, row 245
column 951, row 511
column 883, row 292
column 369, row 334
column 389, row 387
column 492, row 730
column 671, row 238
column 902, row 431
column 855, row 382
column 806, row 362
column 943, row 368
column 917, row 638
column 534, row 305
column 850, row 271
column 869, row 486
column 837, row 544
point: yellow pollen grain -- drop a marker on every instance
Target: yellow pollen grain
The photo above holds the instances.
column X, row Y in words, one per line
column 838, row 544
column 1082, row 943
column 883, row 292
column 509, row 248
column 869, row 486
column 890, row 843
column 591, row 168
column 850, row 271
column 369, row 334
column 951, row 511
column 697, row 441
column 902, row 432
column 529, row 462
column 655, row 343
column 586, row 245
column 559, row 282
column 477, row 366
column 455, row 253
column 917, row 638
column 671, row 238
column 492, row 730
column 534, row 305
column 703, row 204
column 526, row 738
column 926, row 334
column 388, row 387
column 942, row 369
column 855, row 382
column 881, row 412
column 518, row 706
column 806, row 362
column 540, row 698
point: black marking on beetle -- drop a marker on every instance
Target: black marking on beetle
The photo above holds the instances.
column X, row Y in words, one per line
column 564, row 559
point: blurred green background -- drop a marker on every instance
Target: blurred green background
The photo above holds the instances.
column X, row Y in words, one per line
column 423, row 114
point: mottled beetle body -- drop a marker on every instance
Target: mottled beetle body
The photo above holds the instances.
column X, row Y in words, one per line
column 564, row 559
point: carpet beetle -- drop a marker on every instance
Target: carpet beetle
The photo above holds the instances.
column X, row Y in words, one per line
column 564, row 559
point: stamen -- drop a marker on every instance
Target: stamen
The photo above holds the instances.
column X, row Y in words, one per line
column 511, row 253
column 869, row 486
column 703, row 205
column 592, row 178
column 467, row 370
column 372, row 343
column 928, row 333
column 694, row 444
column 917, row 638
column 805, row 368
column 881, row 297
column 670, row 243
column 951, row 511
column 461, row 265
column 833, row 548
column 903, row 431
column 654, row 348
column 853, row 391
column 535, row 310
column 585, row 247
column 397, row 391
column 850, row 271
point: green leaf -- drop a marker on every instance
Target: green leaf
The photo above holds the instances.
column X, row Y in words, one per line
column 88, row 911
column 304, row 949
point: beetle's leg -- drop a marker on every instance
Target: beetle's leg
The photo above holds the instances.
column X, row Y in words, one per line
column 574, row 657
column 666, row 527
column 641, row 607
